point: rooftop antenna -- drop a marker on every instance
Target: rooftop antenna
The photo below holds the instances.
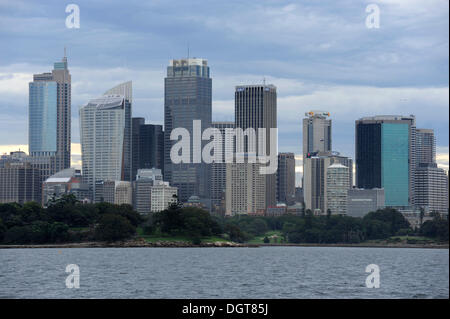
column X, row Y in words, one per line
column 65, row 52
column 264, row 81
column 188, row 51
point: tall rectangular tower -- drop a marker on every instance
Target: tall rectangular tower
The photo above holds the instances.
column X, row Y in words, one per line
column 256, row 107
column 385, row 157
column 49, row 122
column 316, row 133
column 187, row 97
column 105, row 133
column 286, row 178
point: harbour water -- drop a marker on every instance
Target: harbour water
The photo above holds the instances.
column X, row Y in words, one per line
column 265, row 272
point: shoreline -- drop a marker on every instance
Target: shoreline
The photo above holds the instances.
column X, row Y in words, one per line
column 166, row 244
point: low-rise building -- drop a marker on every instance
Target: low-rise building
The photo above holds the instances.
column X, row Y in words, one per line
column 363, row 201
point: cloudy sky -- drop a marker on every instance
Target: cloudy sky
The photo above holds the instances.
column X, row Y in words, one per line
column 319, row 54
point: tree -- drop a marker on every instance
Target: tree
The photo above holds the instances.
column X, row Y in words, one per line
column 266, row 240
column 114, row 227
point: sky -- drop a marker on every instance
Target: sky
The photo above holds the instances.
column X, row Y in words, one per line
column 319, row 54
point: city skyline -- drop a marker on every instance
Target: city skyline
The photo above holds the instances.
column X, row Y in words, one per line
column 309, row 74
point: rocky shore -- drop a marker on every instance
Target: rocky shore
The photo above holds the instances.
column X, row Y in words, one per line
column 131, row 244
column 184, row 244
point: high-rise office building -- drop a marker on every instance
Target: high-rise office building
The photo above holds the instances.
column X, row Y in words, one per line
column 20, row 182
column 316, row 133
column 147, row 145
column 425, row 146
column 337, row 187
column 286, row 178
column 385, row 157
column 218, row 170
column 187, row 97
column 315, row 179
column 431, row 188
column 245, row 187
column 256, row 107
column 136, row 123
column 105, row 131
column 49, row 123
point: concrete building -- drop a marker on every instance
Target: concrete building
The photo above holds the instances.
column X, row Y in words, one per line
column 67, row 181
column 431, row 188
column 316, row 133
column 336, row 189
column 386, row 158
column 256, row 107
column 123, row 193
column 315, row 179
column 20, row 182
column 187, row 97
column 147, row 145
column 425, row 146
column 286, row 178
column 145, row 179
column 245, row 188
column 162, row 196
column 49, row 119
column 105, row 191
column 105, row 132
column 363, row 201
column 218, row 170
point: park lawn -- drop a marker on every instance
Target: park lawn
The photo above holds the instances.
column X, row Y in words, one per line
column 260, row 239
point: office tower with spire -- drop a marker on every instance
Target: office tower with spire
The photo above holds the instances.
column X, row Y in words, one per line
column 256, row 107
column 105, row 132
column 49, row 124
column 187, row 97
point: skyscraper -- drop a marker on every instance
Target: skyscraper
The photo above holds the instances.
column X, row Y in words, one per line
column 218, row 170
column 147, row 145
column 385, row 157
column 136, row 123
column 337, row 188
column 256, row 107
column 425, row 146
column 49, row 124
column 187, row 97
column 431, row 188
column 286, row 178
column 315, row 179
column 105, row 131
column 245, row 187
column 316, row 132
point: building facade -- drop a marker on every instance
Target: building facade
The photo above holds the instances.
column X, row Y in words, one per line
column 286, row 178
column 256, row 108
column 315, row 179
column 363, row 201
column 218, row 169
column 187, row 97
column 337, row 187
column 20, row 182
column 385, row 157
column 49, row 119
column 105, row 131
column 431, row 188
column 245, row 188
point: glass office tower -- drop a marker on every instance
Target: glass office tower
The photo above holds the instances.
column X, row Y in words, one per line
column 385, row 157
column 187, row 97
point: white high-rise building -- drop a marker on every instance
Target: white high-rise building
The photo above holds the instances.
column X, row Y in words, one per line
column 336, row 188
column 105, row 132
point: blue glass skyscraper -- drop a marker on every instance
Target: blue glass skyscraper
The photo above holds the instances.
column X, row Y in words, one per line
column 385, row 157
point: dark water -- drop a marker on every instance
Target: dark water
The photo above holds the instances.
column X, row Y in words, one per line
column 266, row 272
